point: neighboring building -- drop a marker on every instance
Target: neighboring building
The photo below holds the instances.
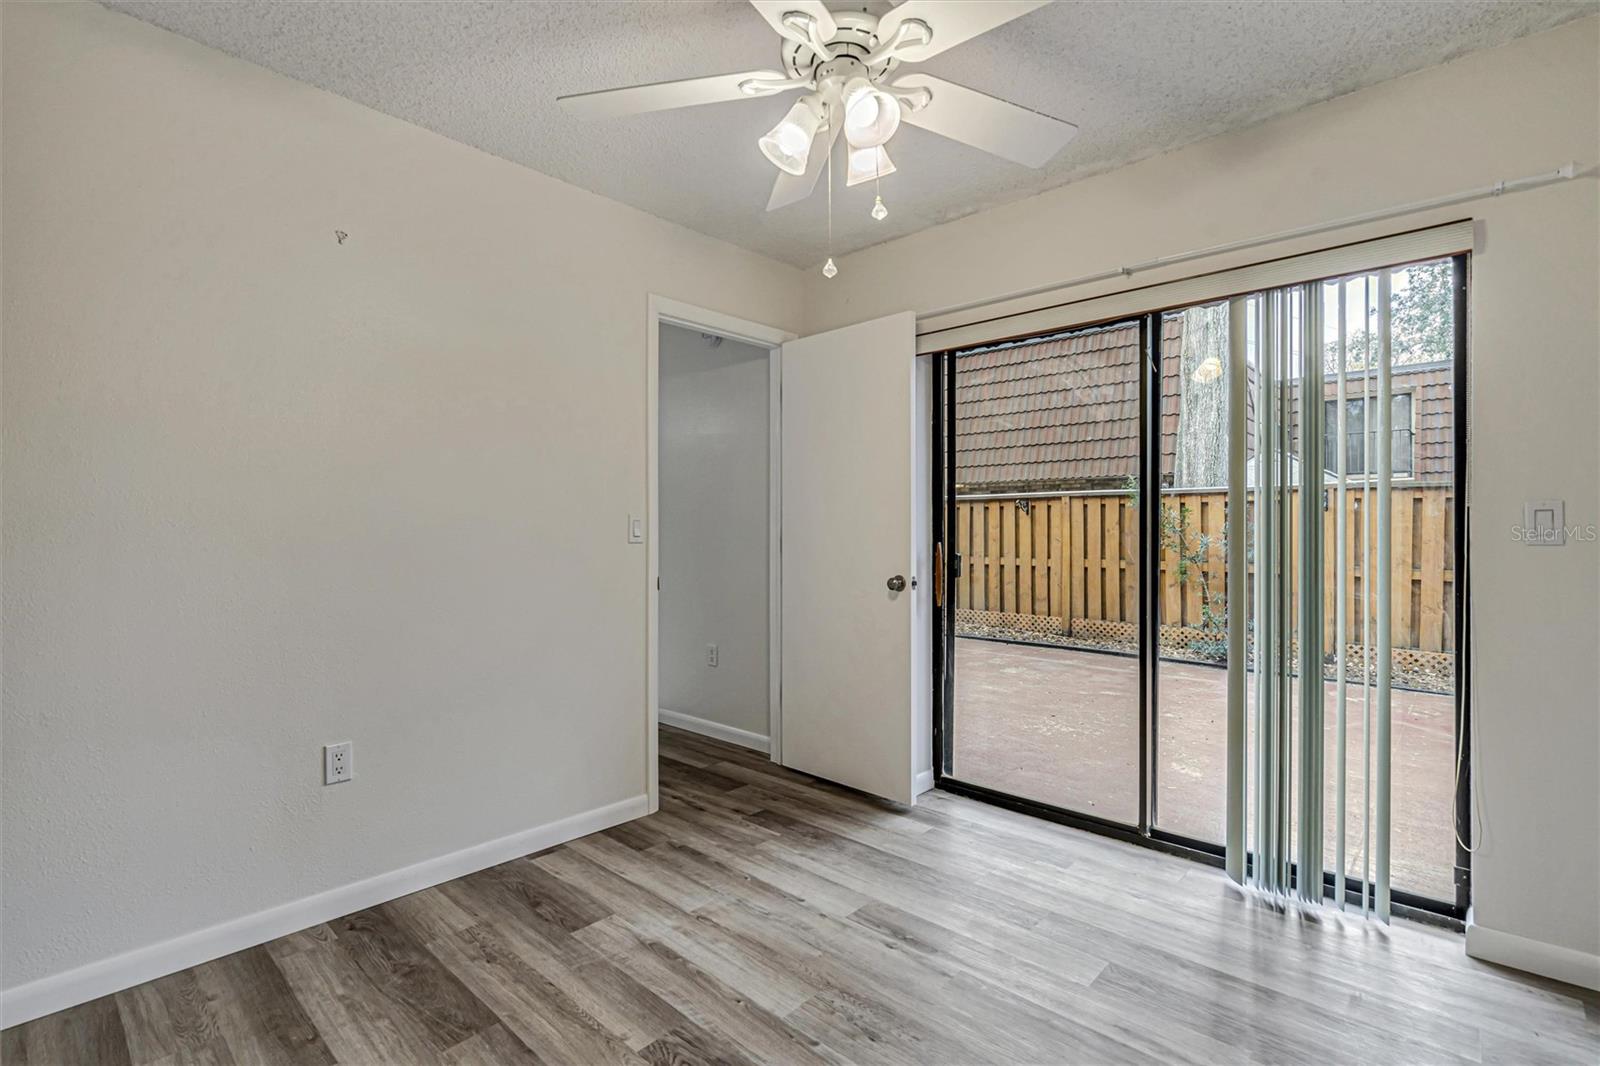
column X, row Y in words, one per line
column 1062, row 414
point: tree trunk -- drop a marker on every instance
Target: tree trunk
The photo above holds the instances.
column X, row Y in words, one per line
column 1202, row 446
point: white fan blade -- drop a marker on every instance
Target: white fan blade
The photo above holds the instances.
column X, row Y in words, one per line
column 792, row 188
column 999, row 127
column 665, row 95
column 952, row 21
column 774, row 10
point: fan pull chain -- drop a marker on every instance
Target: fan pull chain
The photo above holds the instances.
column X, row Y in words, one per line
column 828, row 268
column 879, row 212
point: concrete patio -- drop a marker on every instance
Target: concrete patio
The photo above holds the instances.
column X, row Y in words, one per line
column 1061, row 726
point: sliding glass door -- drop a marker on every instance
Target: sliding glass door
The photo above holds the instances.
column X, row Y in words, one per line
column 1091, row 464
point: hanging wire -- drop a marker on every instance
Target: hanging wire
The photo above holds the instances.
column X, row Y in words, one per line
column 1471, row 730
column 1469, row 619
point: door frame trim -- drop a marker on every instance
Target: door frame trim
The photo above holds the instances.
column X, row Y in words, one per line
column 661, row 310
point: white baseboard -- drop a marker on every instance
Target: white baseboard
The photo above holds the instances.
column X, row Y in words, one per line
column 921, row 783
column 60, row 991
column 716, row 730
column 1535, row 956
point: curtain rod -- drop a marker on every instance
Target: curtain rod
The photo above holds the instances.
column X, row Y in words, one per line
column 1499, row 188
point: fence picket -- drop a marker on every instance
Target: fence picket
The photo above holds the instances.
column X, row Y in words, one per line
column 991, row 549
column 1073, row 557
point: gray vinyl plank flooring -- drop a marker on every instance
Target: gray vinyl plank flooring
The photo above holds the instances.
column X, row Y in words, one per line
column 765, row 917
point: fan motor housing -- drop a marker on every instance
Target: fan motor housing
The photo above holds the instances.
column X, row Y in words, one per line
column 857, row 36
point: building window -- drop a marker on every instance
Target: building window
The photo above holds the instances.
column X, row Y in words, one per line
column 1355, row 460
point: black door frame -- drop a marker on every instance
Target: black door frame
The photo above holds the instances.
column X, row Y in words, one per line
column 1145, row 833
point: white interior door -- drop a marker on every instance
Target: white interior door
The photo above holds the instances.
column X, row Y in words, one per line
column 850, row 644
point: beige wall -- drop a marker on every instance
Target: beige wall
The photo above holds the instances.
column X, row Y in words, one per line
column 1535, row 363
column 263, row 490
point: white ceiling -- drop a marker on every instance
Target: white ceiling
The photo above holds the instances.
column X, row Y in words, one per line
column 1138, row 78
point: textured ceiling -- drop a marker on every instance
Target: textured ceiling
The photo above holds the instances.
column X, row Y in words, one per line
column 1137, row 77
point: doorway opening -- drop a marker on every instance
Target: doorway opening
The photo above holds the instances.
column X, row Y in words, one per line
column 713, row 584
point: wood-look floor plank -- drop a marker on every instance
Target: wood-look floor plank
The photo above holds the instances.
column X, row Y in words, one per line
column 445, row 1009
column 762, row 916
column 619, row 1004
column 306, row 938
column 879, row 874
column 974, row 1019
column 690, row 1045
column 706, row 1000
column 427, row 915
column 683, row 745
column 507, row 899
column 659, row 922
column 495, row 1046
column 866, row 1033
column 257, row 1013
column 642, row 870
column 637, row 834
column 539, row 1013
column 14, row 1042
column 172, row 1017
column 803, row 880
column 90, row 1033
column 357, row 1017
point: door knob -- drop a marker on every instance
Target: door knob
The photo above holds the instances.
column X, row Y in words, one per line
column 897, row 583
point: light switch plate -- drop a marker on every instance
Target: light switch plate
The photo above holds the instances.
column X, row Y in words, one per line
column 635, row 529
column 1544, row 523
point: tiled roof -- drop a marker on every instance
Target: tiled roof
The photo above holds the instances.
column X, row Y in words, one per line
column 1064, row 412
column 1060, row 410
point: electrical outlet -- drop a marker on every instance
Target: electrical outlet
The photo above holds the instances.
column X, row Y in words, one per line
column 338, row 763
column 711, row 655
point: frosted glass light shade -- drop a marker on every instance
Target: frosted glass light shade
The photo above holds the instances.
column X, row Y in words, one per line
column 870, row 115
column 867, row 164
column 788, row 144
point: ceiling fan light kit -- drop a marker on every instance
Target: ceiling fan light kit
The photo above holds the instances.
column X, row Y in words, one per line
column 849, row 63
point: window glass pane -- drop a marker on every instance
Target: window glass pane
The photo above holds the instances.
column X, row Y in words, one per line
column 1046, row 703
column 1422, row 580
column 1424, row 587
column 1192, row 599
column 1400, row 424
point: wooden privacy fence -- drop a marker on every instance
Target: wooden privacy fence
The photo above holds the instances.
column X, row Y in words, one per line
column 1068, row 565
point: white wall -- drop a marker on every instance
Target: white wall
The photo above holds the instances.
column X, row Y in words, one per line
column 714, row 529
column 263, row 490
column 1535, row 362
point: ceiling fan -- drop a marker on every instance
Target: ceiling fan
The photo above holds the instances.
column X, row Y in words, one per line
column 851, row 66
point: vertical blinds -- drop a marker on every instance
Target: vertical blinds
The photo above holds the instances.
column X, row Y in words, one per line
column 1279, row 354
